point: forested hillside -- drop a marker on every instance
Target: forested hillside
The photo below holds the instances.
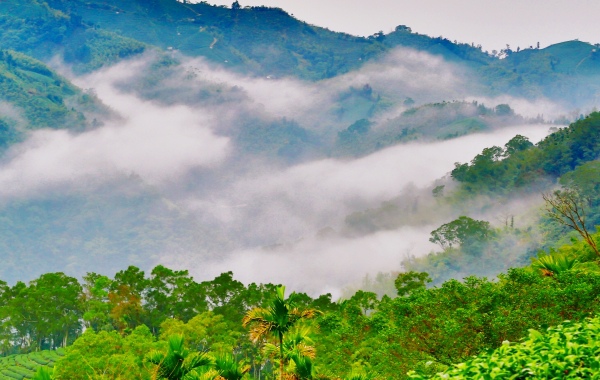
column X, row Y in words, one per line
column 270, row 42
column 35, row 97
column 494, row 204
column 190, row 191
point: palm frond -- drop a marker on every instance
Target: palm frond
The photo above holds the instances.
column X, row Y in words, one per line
column 554, row 264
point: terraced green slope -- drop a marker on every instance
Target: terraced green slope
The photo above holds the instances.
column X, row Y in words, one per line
column 24, row 366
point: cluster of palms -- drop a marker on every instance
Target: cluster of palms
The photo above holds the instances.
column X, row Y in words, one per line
column 279, row 318
column 181, row 364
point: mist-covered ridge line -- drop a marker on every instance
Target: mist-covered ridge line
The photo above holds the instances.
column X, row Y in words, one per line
column 268, row 42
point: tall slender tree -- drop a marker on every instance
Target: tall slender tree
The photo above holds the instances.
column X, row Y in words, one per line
column 276, row 319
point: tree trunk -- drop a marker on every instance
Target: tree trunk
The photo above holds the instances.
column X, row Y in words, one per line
column 280, row 356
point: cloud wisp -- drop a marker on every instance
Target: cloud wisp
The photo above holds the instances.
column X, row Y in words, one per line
column 160, row 144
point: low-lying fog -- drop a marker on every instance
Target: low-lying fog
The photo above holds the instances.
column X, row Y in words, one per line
column 281, row 221
column 287, row 208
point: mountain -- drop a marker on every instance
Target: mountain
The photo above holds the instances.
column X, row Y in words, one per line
column 270, row 42
column 569, row 70
column 343, row 108
column 36, row 97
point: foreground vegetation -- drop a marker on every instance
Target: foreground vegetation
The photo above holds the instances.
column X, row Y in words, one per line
column 164, row 324
column 567, row 351
column 423, row 329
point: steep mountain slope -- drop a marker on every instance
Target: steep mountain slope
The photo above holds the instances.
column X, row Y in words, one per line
column 42, row 32
column 261, row 40
column 34, row 97
column 569, row 71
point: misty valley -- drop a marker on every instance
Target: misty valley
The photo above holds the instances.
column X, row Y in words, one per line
column 191, row 191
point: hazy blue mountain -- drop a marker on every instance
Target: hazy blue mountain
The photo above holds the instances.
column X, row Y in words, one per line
column 269, row 41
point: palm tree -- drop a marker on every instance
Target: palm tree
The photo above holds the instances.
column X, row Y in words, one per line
column 298, row 352
column 303, row 367
column 555, row 264
column 228, row 368
column 178, row 363
column 277, row 319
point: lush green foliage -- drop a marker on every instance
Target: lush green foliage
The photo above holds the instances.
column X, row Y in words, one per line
column 567, row 351
column 108, row 355
column 451, row 323
column 443, row 120
column 518, row 165
column 424, row 329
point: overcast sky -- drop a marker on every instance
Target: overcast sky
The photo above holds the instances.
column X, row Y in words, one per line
column 491, row 23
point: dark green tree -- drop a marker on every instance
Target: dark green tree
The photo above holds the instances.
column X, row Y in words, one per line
column 460, row 231
column 178, row 361
column 408, row 282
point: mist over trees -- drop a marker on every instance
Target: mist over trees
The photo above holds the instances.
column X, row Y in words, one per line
column 168, row 169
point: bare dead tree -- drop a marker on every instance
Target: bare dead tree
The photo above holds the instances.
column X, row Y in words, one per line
column 566, row 207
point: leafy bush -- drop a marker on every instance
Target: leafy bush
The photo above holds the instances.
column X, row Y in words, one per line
column 566, row 351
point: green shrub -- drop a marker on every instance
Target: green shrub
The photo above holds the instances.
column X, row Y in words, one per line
column 569, row 350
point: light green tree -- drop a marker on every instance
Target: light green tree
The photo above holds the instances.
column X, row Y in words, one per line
column 178, row 363
column 277, row 319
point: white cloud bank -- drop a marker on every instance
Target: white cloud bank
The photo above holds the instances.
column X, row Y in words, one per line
column 267, row 204
column 285, row 209
column 160, row 144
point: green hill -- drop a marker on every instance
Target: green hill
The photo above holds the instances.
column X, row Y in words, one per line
column 24, row 366
column 270, row 42
column 36, row 97
column 433, row 121
column 568, row 70
column 36, row 29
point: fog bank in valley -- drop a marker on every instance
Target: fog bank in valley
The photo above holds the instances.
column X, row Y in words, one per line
column 279, row 221
column 279, row 215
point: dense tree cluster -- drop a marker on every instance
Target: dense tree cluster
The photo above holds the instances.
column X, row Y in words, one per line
column 52, row 310
column 520, row 163
column 425, row 329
